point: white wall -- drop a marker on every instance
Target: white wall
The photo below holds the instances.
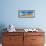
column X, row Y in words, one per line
column 9, row 14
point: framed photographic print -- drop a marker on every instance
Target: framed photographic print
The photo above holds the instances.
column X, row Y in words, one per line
column 26, row 13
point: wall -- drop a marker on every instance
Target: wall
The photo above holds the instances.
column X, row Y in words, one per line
column 9, row 13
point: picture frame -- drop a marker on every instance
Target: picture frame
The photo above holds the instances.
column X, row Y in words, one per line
column 26, row 13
